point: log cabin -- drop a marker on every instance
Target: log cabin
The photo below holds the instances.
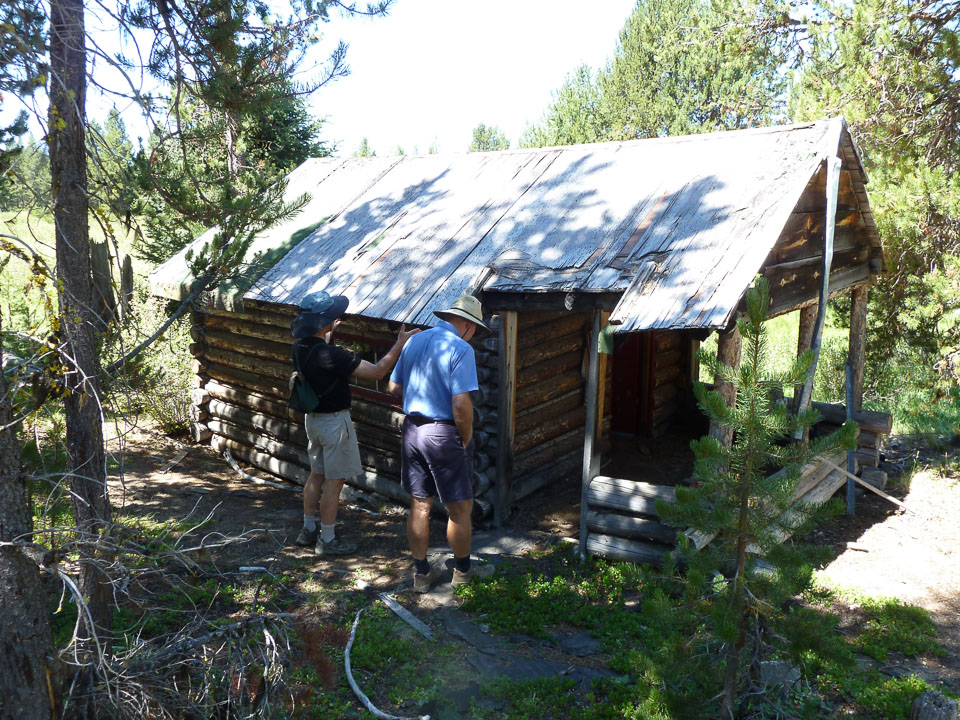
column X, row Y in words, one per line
column 650, row 244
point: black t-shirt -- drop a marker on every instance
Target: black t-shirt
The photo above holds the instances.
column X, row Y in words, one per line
column 327, row 369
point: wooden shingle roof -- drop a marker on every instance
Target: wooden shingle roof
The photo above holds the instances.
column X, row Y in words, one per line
column 680, row 226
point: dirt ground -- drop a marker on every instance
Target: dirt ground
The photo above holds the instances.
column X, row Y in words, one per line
column 882, row 551
column 912, row 555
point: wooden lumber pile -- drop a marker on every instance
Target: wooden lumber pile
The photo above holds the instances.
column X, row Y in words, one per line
column 623, row 524
column 873, row 425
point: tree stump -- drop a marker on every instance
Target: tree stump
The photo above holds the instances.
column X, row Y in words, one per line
column 933, row 706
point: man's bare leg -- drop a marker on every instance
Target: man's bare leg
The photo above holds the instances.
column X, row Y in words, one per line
column 330, row 500
column 311, row 494
column 460, row 527
column 418, row 527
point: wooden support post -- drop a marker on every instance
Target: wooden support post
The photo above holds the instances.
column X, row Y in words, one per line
column 808, row 321
column 851, row 454
column 833, row 186
column 602, row 381
column 729, row 345
column 506, row 413
column 591, row 459
column 694, row 361
column 858, row 339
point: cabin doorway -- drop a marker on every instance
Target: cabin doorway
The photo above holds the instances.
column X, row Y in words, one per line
column 632, row 376
column 653, row 415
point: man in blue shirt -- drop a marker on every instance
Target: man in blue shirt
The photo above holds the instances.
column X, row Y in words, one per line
column 435, row 374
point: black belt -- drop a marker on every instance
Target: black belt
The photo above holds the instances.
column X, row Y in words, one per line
column 419, row 420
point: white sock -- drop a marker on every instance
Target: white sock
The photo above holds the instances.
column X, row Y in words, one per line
column 310, row 522
column 328, row 532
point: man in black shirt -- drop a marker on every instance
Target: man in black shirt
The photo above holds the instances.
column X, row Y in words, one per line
column 332, row 440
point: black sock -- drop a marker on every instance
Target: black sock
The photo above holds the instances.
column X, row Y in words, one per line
column 423, row 567
column 463, row 564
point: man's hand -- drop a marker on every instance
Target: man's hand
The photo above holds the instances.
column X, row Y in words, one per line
column 405, row 335
column 328, row 338
column 463, row 417
column 385, row 364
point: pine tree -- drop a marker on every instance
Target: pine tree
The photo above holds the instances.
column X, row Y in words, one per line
column 486, row 138
column 740, row 498
column 673, row 72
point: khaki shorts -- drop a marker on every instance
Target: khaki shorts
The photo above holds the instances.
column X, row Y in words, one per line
column 332, row 445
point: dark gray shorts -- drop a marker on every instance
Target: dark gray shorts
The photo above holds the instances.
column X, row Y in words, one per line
column 433, row 462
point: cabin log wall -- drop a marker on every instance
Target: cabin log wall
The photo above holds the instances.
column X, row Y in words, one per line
column 675, row 370
column 793, row 266
column 242, row 361
column 552, row 351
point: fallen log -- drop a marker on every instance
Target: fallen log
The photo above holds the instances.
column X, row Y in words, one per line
column 836, row 414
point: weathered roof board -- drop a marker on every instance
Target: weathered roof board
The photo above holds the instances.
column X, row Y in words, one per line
column 680, row 225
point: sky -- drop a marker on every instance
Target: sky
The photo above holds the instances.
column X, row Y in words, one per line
column 426, row 74
column 432, row 70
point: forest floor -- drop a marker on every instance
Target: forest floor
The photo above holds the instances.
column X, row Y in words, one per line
column 883, row 551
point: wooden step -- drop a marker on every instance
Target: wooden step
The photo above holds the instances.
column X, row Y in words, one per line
column 616, row 548
column 627, row 496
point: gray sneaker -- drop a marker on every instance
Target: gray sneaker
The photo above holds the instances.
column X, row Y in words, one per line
column 306, row 538
column 334, row 547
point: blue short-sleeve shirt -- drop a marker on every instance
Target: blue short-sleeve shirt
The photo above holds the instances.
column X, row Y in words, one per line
column 434, row 366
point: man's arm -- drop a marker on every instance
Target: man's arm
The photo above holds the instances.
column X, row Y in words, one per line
column 395, row 389
column 463, row 416
column 375, row 371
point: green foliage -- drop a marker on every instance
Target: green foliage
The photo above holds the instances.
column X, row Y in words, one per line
column 890, row 66
column 892, row 626
column 187, row 182
column 672, row 73
column 629, row 609
column 378, row 646
column 157, row 382
column 364, row 150
column 892, row 697
column 488, row 138
column 110, row 173
column 25, row 182
column 741, row 501
column 575, row 115
column 529, row 602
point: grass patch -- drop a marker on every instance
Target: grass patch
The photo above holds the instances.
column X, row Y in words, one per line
column 893, row 626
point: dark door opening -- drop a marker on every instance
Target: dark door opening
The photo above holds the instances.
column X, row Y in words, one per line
column 633, row 365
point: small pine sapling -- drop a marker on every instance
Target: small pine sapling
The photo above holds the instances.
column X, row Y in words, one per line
column 744, row 500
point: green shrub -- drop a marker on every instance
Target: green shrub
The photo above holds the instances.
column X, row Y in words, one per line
column 891, row 625
column 891, row 698
column 159, row 380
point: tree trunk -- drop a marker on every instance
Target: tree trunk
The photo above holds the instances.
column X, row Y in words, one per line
column 84, row 429
column 729, row 345
column 26, row 648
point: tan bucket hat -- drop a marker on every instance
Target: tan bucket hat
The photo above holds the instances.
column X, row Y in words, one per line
column 468, row 308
